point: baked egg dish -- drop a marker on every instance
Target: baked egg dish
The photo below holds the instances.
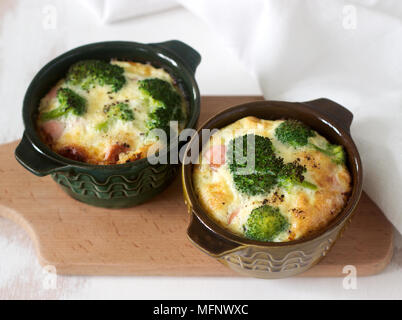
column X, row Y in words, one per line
column 271, row 180
column 104, row 112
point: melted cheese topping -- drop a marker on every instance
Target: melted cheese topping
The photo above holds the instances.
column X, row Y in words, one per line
column 128, row 138
column 306, row 210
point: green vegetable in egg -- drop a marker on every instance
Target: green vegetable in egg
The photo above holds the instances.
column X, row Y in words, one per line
column 265, row 223
column 291, row 174
column 269, row 171
column 69, row 103
column 120, row 111
column 335, row 152
column 89, row 73
column 296, row 134
column 259, row 181
column 166, row 103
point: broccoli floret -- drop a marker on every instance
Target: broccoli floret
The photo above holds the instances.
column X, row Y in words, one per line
column 89, row 73
column 166, row 103
column 269, row 169
column 334, row 151
column 254, row 184
column 160, row 90
column 119, row 111
column 114, row 112
column 291, row 174
column 296, row 134
column 293, row 133
column 260, row 181
column 70, row 102
column 265, row 223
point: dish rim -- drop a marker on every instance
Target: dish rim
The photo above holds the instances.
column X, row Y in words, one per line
column 342, row 216
column 162, row 53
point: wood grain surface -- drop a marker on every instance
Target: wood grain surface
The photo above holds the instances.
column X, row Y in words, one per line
column 150, row 239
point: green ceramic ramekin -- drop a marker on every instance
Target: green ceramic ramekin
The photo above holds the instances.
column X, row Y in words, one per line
column 275, row 259
column 112, row 186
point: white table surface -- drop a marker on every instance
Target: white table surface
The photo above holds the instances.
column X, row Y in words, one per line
column 27, row 41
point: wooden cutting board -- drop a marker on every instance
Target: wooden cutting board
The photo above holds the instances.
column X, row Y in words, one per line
column 150, row 239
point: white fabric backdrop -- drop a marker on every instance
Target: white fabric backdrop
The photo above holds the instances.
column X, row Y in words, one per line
column 112, row 11
column 348, row 51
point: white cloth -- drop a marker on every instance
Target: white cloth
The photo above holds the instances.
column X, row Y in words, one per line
column 116, row 10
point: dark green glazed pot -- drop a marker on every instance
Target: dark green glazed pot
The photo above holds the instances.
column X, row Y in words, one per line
column 112, row 186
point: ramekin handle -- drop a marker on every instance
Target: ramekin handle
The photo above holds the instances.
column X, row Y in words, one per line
column 330, row 109
column 190, row 57
column 207, row 241
column 33, row 160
